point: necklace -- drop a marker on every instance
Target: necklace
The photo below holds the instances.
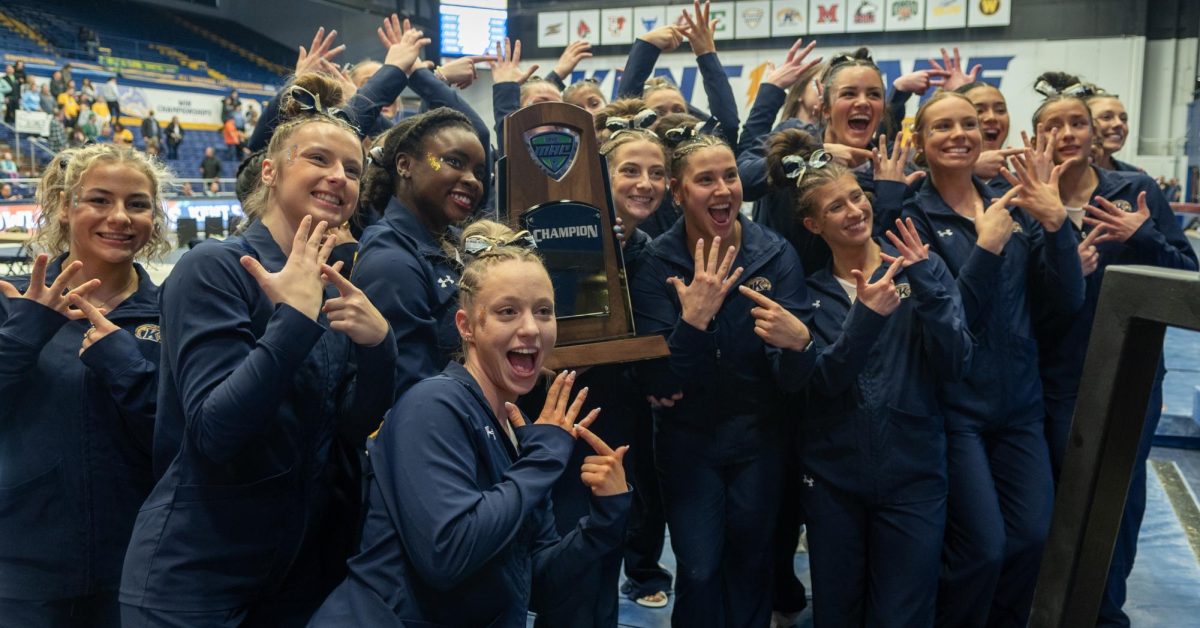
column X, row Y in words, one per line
column 117, row 296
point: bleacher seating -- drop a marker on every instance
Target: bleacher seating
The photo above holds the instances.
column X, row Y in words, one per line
column 126, row 29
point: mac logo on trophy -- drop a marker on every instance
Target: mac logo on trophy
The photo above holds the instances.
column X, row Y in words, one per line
column 557, row 188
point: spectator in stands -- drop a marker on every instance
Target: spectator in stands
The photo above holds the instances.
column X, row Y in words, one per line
column 227, row 108
column 70, row 107
column 7, row 193
column 210, row 166
column 88, row 122
column 19, row 70
column 66, row 75
column 251, row 121
column 112, row 97
column 213, row 188
column 87, row 92
column 8, row 167
column 174, row 135
column 58, row 130
column 239, row 118
column 78, row 138
column 153, row 151
column 46, row 100
column 186, row 190
column 151, row 132
column 1173, row 190
column 232, row 141
column 89, row 41
column 57, row 84
column 121, row 135
column 10, row 92
column 30, row 98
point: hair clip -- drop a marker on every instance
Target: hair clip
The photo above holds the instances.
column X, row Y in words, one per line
column 1075, row 90
column 476, row 244
column 681, row 134
column 312, row 102
column 375, row 156
column 642, row 120
column 796, row 166
column 845, row 58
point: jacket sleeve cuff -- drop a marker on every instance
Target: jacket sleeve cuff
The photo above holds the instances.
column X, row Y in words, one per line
column 687, row 339
column 36, row 322
column 545, row 441
column 611, row 511
column 292, row 333
column 113, row 355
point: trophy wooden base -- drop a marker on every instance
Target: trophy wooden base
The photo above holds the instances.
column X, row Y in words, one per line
column 608, row 352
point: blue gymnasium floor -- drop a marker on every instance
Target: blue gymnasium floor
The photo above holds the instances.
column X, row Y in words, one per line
column 1164, row 589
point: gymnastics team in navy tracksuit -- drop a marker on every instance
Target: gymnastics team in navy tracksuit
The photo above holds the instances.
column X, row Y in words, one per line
column 79, row 400
column 872, row 448
column 263, row 368
column 459, row 530
column 1001, row 492
column 403, row 265
column 719, row 442
column 1129, row 222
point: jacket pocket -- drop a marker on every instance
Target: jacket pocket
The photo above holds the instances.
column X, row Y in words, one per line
column 220, row 542
column 915, row 459
column 36, row 529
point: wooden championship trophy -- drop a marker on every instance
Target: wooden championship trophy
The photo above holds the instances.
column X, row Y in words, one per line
column 554, row 183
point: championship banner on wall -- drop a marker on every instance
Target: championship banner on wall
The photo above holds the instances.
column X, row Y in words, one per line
column 945, row 14
column 760, row 19
column 553, row 31
column 826, row 16
column 1113, row 63
column 646, row 19
column 617, row 26
column 905, row 15
column 753, row 19
column 789, row 18
column 866, row 16
column 583, row 25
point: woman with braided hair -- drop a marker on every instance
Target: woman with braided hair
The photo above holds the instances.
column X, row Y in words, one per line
column 269, row 357
column 425, row 177
column 459, row 530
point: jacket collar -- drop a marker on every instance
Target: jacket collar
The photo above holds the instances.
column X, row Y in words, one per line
column 1112, row 183
column 756, row 248
column 258, row 238
column 930, row 200
column 457, row 372
column 404, row 221
column 142, row 303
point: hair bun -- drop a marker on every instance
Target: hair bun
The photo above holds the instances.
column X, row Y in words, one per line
column 324, row 88
column 786, row 143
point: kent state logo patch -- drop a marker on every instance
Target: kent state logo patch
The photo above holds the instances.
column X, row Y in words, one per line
column 759, row 284
column 904, row 290
column 1017, row 228
column 1123, row 205
column 149, row 332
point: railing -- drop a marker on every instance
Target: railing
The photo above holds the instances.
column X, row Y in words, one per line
column 198, row 186
column 35, row 142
